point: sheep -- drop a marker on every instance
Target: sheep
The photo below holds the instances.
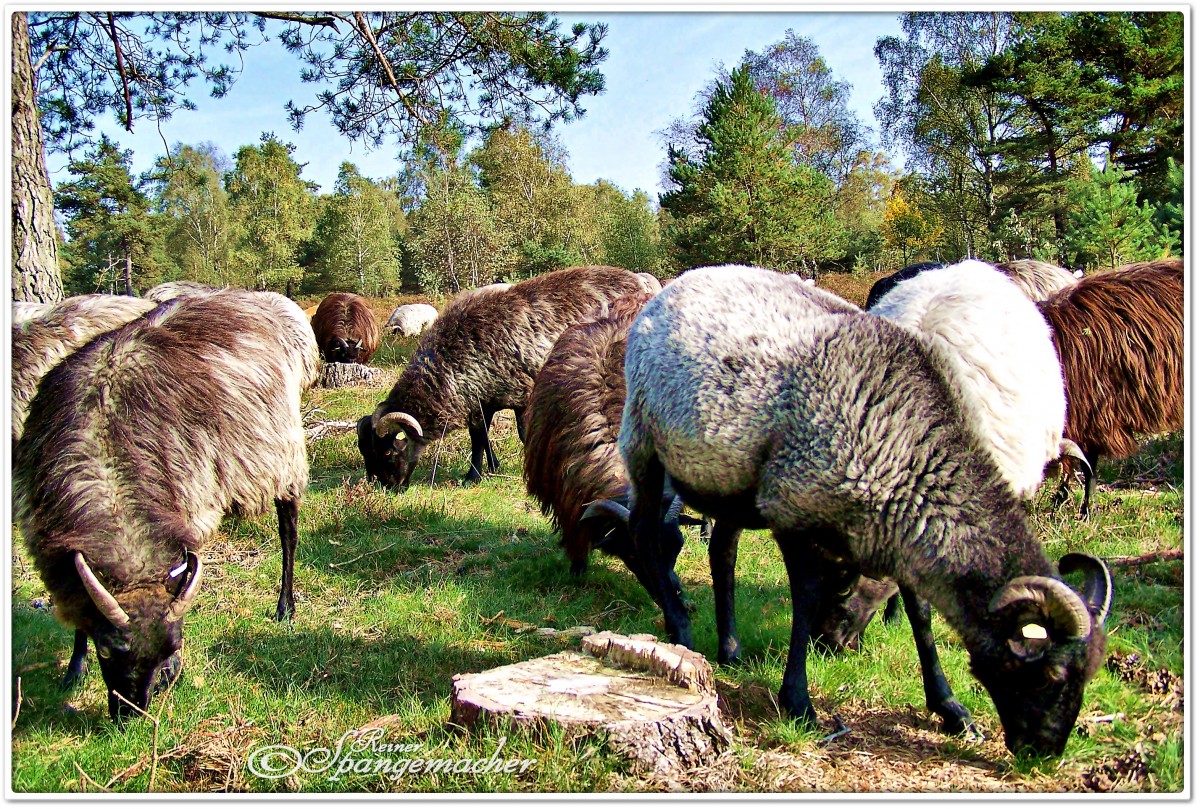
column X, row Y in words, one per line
column 24, row 310
column 346, row 329
column 571, row 464
column 479, row 357
column 40, row 343
column 1038, row 279
column 1119, row 337
column 1006, row 367
column 169, row 290
column 411, row 319
column 771, row 404
column 885, row 285
column 136, row 446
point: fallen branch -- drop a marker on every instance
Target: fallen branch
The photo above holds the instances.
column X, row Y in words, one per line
column 323, row 428
column 1144, row 559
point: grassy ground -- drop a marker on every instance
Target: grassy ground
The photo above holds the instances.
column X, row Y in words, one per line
column 397, row 593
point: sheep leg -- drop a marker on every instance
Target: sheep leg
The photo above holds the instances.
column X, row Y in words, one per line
column 804, row 578
column 519, row 415
column 646, row 518
column 938, row 696
column 77, row 669
column 1089, row 482
column 288, row 511
column 479, row 448
column 722, row 558
column 492, row 461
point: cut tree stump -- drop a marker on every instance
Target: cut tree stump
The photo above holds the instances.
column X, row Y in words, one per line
column 341, row 374
column 653, row 702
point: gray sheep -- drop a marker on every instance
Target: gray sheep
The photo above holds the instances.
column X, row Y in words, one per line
column 136, row 446
column 771, row 404
column 411, row 319
column 40, row 342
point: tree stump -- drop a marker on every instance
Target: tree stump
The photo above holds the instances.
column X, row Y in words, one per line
column 653, row 702
column 341, row 374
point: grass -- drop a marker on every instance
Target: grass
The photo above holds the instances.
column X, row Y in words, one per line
column 398, row 593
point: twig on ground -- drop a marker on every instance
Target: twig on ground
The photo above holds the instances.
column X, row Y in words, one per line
column 17, row 712
column 361, row 555
column 1144, row 559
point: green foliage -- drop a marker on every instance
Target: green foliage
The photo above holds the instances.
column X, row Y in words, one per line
column 192, row 205
column 109, row 225
column 1108, row 227
column 356, row 239
column 744, row 200
column 1169, row 214
column 274, row 207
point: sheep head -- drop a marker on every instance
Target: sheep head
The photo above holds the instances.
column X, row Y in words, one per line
column 339, row 349
column 847, row 605
column 1048, row 642
column 137, row 630
column 390, row 443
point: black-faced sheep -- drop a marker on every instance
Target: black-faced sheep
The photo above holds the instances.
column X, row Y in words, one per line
column 479, row 357
column 135, row 447
column 572, row 466
column 771, row 404
column 346, row 329
column 1119, row 336
column 411, row 319
column 40, row 343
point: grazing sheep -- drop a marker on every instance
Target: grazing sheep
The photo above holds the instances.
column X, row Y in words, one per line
column 24, row 310
column 1119, row 336
column 479, row 357
column 885, row 285
column 771, row 404
column 345, row 328
column 649, row 283
column 411, row 319
column 571, row 426
column 136, row 445
column 40, row 343
column 1004, row 362
column 1037, row 279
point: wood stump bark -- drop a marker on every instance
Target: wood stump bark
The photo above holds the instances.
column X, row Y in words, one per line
column 654, row 702
column 341, row 374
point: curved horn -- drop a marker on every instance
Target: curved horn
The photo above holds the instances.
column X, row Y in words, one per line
column 183, row 602
column 103, row 599
column 1071, row 450
column 603, row 507
column 393, row 423
column 1062, row 605
column 1098, row 588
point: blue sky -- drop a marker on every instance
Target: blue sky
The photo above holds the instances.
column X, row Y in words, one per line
column 657, row 62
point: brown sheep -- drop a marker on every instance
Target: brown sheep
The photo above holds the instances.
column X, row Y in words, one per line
column 1119, row 337
column 346, row 329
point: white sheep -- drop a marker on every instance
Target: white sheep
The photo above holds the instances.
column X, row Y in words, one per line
column 411, row 319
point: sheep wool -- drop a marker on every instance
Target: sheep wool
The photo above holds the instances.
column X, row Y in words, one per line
column 1005, row 366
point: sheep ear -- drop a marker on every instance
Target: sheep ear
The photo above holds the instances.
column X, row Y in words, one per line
column 183, row 602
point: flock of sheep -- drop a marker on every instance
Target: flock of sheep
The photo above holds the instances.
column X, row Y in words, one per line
column 888, row 450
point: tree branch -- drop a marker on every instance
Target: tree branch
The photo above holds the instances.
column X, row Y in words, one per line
column 304, row 19
column 112, row 32
column 1145, row 558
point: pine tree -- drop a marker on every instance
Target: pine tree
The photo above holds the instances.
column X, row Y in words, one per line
column 743, row 199
column 1107, row 227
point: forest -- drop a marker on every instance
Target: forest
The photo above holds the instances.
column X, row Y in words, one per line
column 1023, row 135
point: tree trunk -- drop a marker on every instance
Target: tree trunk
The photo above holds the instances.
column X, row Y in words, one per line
column 129, row 274
column 35, row 275
column 651, row 702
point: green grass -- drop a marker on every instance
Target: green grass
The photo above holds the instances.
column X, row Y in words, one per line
column 398, row 593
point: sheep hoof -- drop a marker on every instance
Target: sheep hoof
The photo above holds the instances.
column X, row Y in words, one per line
column 956, row 720
column 284, row 611
column 73, row 677
column 472, row 478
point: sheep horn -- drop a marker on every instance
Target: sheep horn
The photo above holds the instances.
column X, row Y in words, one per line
column 1071, row 450
column 183, row 601
column 603, row 507
column 1098, row 589
column 393, row 423
column 103, row 599
column 1061, row 604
